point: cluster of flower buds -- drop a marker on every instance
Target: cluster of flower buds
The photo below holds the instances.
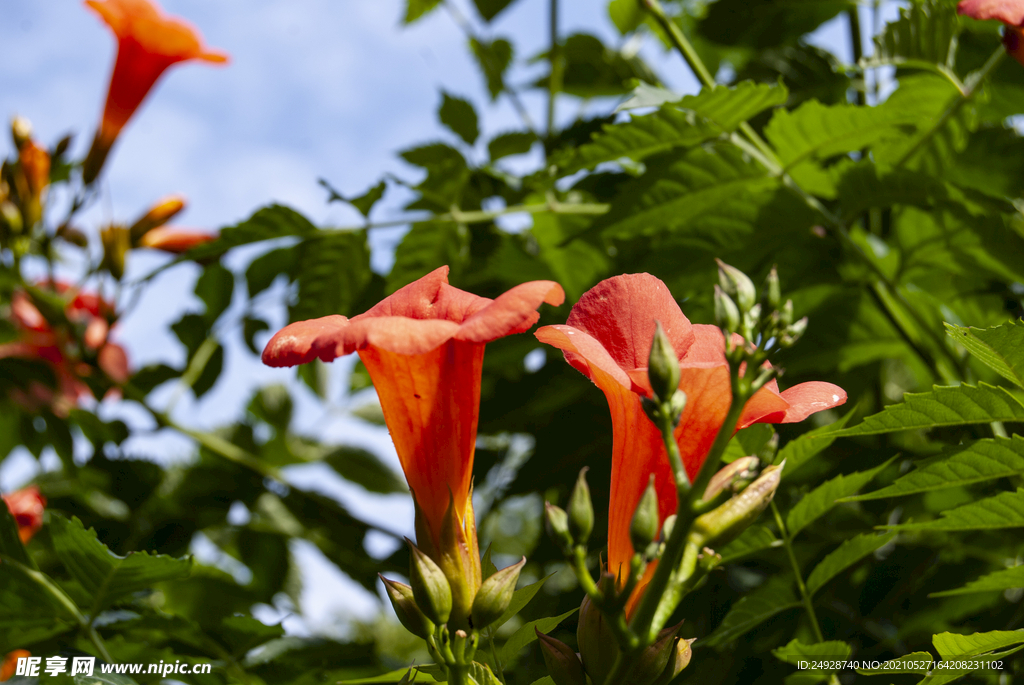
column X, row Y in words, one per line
column 738, row 309
column 24, row 181
column 427, row 607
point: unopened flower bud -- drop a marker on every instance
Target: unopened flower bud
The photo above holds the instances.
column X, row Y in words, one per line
column 738, row 284
column 676, row 406
column 115, row 246
column 430, row 588
column 667, row 526
column 787, row 313
column 644, row 526
column 729, row 520
column 159, row 214
column 662, row 365
column 679, row 660
column 598, row 647
column 558, row 525
column 772, row 290
column 494, row 595
column 655, row 659
column 11, row 216
column 21, row 131
column 740, row 469
column 581, row 510
column 797, row 329
column 409, row 614
column 727, row 315
column 563, row 665
column 767, row 453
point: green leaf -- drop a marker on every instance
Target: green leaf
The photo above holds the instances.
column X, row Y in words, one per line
column 416, row 9
column 815, row 132
column 592, row 69
column 525, row 635
column 1005, row 510
column 751, row 541
column 489, row 9
column 546, row 680
column 645, row 95
column 845, row 556
column 332, row 271
column 953, row 646
column 1000, row 348
column 924, row 37
column 943, row 406
column 272, row 221
column 1006, row 579
column 690, row 121
column 627, row 15
column 983, row 460
column 768, row 22
column 820, row 501
column 215, row 287
column 363, row 203
column 512, row 143
column 796, row 651
column 10, row 543
column 251, row 327
column 801, row 450
column 459, row 116
column 104, row 575
column 774, row 596
column 493, row 58
column 363, row 468
column 264, row 270
column 211, row 372
column 715, row 195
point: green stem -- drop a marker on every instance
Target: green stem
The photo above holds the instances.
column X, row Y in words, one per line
column 788, row 542
column 853, row 17
column 555, row 58
column 64, row 601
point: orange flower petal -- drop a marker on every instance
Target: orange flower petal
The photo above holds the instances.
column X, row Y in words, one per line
column 1007, row 11
column 26, row 506
column 175, row 240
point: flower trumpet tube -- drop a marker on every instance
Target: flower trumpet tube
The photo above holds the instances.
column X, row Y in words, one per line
column 423, row 347
column 148, row 43
column 608, row 338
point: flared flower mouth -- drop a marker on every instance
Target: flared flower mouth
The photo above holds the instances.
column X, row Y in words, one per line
column 1010, row 12
column 608, row 338
column 141, row 22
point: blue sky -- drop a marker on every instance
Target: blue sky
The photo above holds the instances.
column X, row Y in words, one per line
column 315, row 88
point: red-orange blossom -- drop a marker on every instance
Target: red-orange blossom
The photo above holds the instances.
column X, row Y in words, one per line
column 608, row 338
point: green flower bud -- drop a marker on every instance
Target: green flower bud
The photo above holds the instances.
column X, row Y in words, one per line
column 679, row 660
column 598, row 648
column 557, row 522
column 772, row 290
column 581, row 510
column 563, row 665
column 11, row 216
column 727, row 315
column 662, row 365
column 21, row 131
column 738, row 284
column 787, row 313
column 743, row 468
column 494, row 596
column 732, row 518
column 676, row 406
column 667, row 526
column 409, row 615
column 430, row 588
column 655, row 659
column 767, row 453
column 644, row 526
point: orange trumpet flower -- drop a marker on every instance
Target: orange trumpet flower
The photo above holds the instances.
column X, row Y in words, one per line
column 424, row 348
column 175, row 240
column 148, row 43
column 608, row 338
column 26, row 506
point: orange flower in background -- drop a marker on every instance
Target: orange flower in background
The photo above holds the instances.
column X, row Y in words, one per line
column 10, row 663
column 175, row 240
column 38, row 339
column 424, row 349
column 26, row 506
column 1010, row 12
column 608, row 338
column 148, row 43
